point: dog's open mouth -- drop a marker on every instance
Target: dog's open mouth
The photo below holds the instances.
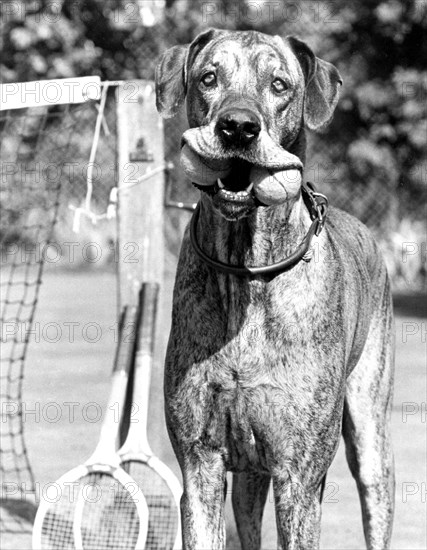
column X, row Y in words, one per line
column 233, row 195
column 238, row 196
column 239, row 181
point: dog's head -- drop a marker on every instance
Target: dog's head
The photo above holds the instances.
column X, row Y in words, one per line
column 248, row 96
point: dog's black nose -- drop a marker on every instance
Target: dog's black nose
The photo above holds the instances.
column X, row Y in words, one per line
column 238, row 126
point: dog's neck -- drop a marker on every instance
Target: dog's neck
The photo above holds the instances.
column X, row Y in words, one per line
column 267, row 235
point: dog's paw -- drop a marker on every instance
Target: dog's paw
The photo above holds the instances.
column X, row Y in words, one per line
column 272, row 188
column 203, row 171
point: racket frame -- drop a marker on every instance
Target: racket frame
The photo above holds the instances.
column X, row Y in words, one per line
column 65, row 482
column 105, row 458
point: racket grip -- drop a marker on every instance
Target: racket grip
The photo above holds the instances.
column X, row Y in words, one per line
column 148, row 301
column 126, row 344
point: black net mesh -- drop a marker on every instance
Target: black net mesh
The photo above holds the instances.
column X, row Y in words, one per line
column 29, row 210
column 45, row 152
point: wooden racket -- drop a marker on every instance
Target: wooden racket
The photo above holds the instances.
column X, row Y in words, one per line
column 99, row 505
column 161, row 488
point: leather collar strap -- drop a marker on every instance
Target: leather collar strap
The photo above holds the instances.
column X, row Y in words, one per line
column 317, row 205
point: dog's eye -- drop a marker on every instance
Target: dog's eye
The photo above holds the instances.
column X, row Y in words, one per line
column 209, row 79
column 279, row 86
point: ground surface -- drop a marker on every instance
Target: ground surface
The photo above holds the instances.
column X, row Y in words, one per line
column 78, row 372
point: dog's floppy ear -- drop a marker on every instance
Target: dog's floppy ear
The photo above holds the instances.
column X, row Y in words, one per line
column 322, row 82
column 171, row 73
column 170, row 83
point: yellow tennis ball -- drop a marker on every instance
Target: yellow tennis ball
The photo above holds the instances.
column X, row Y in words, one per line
column 272, row 188
column 201, row 170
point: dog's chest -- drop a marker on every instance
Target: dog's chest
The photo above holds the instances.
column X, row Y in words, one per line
column 259, row 382
column 263, row 321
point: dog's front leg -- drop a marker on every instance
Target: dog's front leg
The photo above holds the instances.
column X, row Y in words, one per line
column 297, row 514
column 202, row 502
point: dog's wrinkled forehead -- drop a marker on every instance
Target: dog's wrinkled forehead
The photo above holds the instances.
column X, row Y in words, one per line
column 243, row 55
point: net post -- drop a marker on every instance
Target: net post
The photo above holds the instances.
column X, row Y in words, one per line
column 140, row 207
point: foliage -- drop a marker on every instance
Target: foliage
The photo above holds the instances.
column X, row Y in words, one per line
column 379, row 46
column 382, row 117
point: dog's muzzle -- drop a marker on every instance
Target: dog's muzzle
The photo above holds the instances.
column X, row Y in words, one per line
column 237, row 178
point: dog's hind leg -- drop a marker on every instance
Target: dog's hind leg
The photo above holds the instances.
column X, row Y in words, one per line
column 250, row 491
column 366, row 428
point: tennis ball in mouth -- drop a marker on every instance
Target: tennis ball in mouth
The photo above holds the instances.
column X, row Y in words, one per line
column 201, row 170
column 275, row 187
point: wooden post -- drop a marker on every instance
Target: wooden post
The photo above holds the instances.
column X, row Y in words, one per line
column 140, row 200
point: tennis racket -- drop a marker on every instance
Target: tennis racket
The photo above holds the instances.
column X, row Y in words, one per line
column 161, row 488
column 98, row 505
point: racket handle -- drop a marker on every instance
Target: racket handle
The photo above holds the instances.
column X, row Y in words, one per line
column 119, row 382
column 127, row 337
column 148, row 299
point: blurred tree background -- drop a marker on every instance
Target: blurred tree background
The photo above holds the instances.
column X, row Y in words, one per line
column 373, row 157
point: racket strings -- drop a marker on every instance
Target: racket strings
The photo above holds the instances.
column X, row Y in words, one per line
column 57, row 526
column 109, row 519
column 162, row 507
column 57, row 531
column 103, row 509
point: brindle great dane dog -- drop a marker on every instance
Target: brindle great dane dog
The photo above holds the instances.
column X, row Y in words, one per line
column 263, row 373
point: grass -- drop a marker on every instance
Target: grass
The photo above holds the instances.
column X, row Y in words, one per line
column 78, row 372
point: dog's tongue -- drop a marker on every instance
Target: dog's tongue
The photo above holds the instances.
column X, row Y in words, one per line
column 266, row 153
